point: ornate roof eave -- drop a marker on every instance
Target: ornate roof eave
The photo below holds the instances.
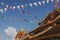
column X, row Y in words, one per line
column 43, row 20
column 46, row 25
column 53, row 32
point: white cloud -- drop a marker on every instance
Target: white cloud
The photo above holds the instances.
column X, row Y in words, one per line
column 11, row 32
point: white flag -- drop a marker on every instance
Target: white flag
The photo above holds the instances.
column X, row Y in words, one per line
column 35, row 4
column 39, row 3
column 30, row 4
column 18, row 7
column 51, row 0
column 5, row 9
column 57, row 0
column 11, row 7
column 47, row 1
column 22, row 6
column 43, row 2
column 14, row 7
column 6, row 6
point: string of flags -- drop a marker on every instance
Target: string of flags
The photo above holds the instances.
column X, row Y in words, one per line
column 25, row 5
column 57, row 4
column 22, row 20
column 4, row 10
column 28, row 13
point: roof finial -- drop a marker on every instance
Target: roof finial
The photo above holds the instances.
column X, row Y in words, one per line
column 22, row 28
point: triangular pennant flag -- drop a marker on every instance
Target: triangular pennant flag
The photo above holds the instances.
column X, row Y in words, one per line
column 22, row 6
column 6, row 6
column 35, row 17
column 30, row 4
column 26, row 5
column 14, row 7
column 22, row 20
column 26, row 20
column 5, row 9
column 18, row 7
column 47, row 1
column 11, row 7
column 35, row 4
column 24, row 12
column 32, row 21
column 43, row 2
column 51, row 0
column 1, row 10
column 57, row 0
column 2, row 3
column 56, row 5
column 39, row 3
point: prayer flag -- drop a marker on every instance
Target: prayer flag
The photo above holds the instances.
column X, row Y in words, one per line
column 35, row 4
column 43, row 2
column 22, row 6
column 30, row 4
column 39, row 3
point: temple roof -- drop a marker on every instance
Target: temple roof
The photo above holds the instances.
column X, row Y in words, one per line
column 20, row 33
column 54, row 13
column 50, row 27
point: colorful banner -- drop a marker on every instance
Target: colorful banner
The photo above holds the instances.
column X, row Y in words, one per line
column 25, row 5
column 21, row 20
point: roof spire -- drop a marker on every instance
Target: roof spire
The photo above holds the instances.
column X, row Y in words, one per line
column 22, row 29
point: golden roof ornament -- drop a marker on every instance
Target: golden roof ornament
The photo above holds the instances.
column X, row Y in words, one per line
column 20, row 34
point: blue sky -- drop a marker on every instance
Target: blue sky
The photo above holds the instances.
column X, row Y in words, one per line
column 39, row 11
